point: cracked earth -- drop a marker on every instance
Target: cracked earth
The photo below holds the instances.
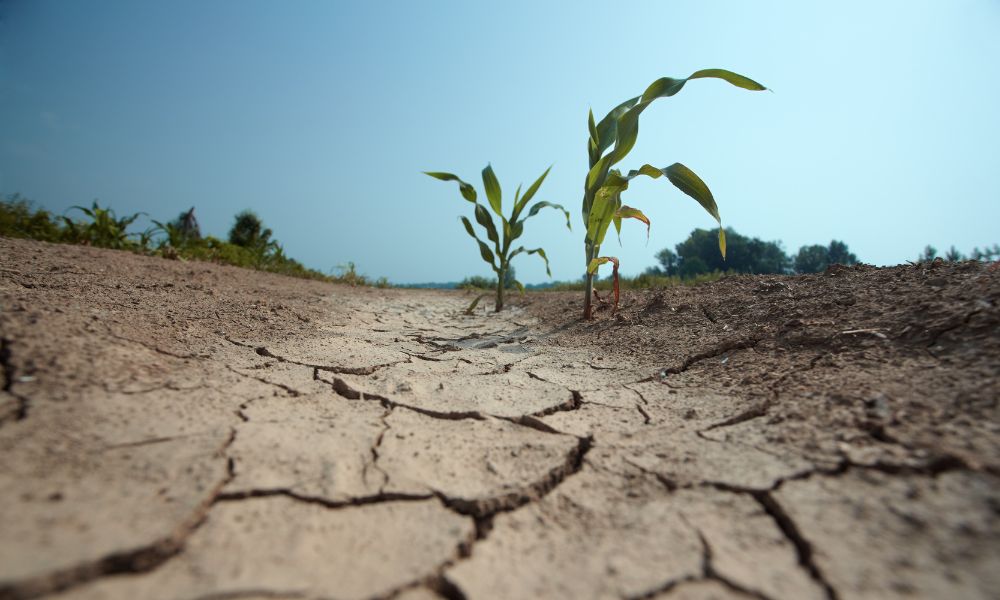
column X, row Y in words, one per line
column 186, row 430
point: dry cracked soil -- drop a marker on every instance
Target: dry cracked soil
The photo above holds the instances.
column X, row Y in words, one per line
column 187, row 430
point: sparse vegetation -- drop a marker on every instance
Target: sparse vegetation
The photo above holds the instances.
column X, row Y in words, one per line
column 987, row 254
column 250, row 246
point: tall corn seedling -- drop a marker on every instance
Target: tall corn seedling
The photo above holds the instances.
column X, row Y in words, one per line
column 617, row 132
column 511, row 228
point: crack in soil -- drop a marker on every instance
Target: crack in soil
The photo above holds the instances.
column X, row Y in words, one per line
column 155, row 348
column 483, row 511
column 263, row 351
column 754, row 412
column 252, row 593
column 294, row 393
column 373, row 463
column 533, row 423
column 719, row 350
column 646, row 419
column 379, row 498
column 532, row 420
column 803, row 548
column 345, row 390
column 710, row 574
column 487, row 508
column 140, row 560
column 574, row 403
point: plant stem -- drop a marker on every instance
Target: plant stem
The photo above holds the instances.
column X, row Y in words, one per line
column 500, row 278
column 588, row 309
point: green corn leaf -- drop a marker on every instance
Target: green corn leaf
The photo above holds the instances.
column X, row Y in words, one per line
column 592, row 126
column 627, row 212
column 492, row 187
column 126, row 221
column 600, row 260
column 517, row 194
column 545, row 204
column 528, row 195
column 519, row 286
column 627, row 130
column 85, row 210
column 484, row 250
column 606, row 202
column 733, row 78
column 468, row 192
column 607, row 129
column 484, row 219
column 688, row 182
column 664, row 87
column 516, row 229
column 540, row 252
column 598, row 172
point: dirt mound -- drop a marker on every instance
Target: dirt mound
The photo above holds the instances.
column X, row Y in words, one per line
column 185, row 430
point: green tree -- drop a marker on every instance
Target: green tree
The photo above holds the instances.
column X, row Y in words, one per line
column 812, row 259
column 249, row 232
column 816, row 258
column 669, row 263
column 744, row 255
column 838, row 253
column 693, row 266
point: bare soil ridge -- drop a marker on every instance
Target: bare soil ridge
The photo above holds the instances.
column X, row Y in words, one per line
column 185, row 430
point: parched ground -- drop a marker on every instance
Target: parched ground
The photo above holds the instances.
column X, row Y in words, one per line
column 184, row 430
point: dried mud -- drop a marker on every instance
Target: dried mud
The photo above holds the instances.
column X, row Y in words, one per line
column 186, row 430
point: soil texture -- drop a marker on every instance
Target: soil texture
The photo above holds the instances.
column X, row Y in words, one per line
column 186, row 430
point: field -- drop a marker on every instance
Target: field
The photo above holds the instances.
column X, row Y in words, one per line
column 174, row 429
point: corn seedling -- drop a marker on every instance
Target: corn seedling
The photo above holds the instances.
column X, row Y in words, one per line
column 104, row 230
column 617, row 132
column 501, row 254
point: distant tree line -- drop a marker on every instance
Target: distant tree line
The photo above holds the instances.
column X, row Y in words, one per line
column 478, row 282
column 699, row 254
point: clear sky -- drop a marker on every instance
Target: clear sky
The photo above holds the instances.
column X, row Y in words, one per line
column 882, row 131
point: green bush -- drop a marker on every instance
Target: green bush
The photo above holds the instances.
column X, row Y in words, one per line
column 19, row 220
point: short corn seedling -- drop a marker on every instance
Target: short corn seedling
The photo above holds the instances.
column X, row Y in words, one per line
column 618, row 131
column 511, row 228
column 105, row 229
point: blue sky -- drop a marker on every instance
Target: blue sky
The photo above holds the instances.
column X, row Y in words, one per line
column 882, row 130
